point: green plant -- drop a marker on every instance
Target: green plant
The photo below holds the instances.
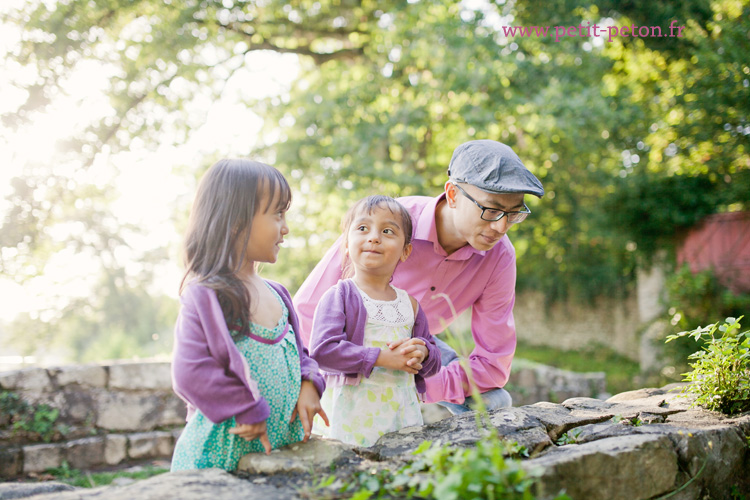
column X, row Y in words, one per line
column 442, row 472
column 736, row 493
column 720, row 378
column 570, row 437
column 39, row 420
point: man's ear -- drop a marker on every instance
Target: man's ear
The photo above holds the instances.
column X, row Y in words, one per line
column 450, row 194
column 406, row 253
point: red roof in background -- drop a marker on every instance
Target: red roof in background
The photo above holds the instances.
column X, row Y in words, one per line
column 720, row 242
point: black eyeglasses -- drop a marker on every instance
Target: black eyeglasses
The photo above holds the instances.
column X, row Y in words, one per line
column 495, row 214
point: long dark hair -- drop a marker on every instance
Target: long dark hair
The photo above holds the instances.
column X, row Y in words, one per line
column 367, row 205
column 229, row 195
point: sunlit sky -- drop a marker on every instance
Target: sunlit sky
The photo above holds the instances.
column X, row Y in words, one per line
column 146, row 180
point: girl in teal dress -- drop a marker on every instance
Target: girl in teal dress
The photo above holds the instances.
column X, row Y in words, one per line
column 252, row 387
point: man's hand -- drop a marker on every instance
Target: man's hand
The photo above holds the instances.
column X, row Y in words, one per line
column 308, row 404
column 253, row 431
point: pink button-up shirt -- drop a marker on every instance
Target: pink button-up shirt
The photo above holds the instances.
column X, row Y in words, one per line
column 482, row 280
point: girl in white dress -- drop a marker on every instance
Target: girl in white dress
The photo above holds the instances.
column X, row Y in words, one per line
column 370, row 338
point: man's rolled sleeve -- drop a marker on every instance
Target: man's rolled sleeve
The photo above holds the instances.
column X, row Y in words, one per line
column 494, row 333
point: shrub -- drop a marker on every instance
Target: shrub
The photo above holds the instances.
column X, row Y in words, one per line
column 720, row 375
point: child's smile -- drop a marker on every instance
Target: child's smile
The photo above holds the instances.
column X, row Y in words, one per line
column 376, row 242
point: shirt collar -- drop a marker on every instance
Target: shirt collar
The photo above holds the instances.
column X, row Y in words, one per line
column 427, row 230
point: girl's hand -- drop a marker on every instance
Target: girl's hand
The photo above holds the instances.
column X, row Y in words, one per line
column 254, row 431
column 394, row 359
column 308, row 404
column 415, row 348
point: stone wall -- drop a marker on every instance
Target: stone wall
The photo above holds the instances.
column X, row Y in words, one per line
column 645, row 444
column 126, row 410
column 108, row 413
column 574, row 324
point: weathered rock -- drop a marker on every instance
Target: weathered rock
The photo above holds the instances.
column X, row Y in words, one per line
column 718, row 458
column 9, row 491
column 458, row 430
column 532, row 382
column 115, row 449
column 150, row 445
column 174, row 412
column 140, row 375
column 11, row 461
column 39, row 457
column 84, row 375
column 34, row 379
column 128, row 411
column 638, row 467
column 77, row 405
column 84, row 453
column 557, row 419
column 316, row 454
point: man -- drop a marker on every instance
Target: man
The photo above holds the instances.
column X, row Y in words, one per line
column 461, row 259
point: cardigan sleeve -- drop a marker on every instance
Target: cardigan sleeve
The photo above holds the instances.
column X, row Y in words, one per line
column 308, row 366
column 431, row 364
column 329, row 342
column 203, row 371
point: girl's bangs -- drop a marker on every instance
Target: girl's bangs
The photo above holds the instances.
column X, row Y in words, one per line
column 278, row 190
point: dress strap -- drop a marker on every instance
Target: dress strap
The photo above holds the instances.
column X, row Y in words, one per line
column 284, row 312
column 270, row 341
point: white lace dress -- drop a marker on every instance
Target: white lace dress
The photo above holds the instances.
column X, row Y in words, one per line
column 387, row 400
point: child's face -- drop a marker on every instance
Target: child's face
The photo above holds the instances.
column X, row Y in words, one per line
column 375, row 242
column 267, row 233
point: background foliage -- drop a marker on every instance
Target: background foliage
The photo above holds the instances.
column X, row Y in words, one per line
column 635, row 139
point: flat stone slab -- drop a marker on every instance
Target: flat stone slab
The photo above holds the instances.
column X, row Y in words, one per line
column 640, row 467
column 316, row 454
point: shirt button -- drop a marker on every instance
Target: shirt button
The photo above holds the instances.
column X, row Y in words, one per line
column 432, row 288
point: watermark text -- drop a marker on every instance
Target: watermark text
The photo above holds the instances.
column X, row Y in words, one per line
column 594, row 30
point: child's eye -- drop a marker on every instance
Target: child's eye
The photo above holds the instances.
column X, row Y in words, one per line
column 389, row 231
column 361, row 228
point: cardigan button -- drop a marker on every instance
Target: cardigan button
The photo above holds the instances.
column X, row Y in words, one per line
column 432, row 288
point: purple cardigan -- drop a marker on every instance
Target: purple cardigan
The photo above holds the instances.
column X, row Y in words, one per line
column 208, row 371
column 338, row 335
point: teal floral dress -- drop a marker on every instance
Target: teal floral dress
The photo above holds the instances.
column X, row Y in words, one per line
column 274, row 364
